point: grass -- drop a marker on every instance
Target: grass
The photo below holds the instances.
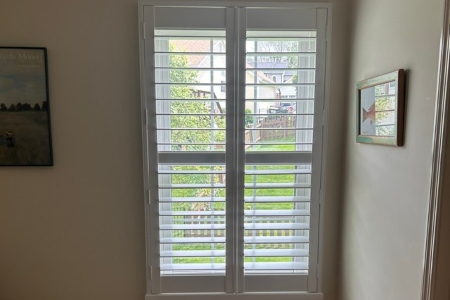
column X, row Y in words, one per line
column 275, row 178
column 31, row 137
column 202, row 178
column 275, row 146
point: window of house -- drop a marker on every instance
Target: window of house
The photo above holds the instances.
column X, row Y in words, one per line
column 233, row 193
column 223, row 88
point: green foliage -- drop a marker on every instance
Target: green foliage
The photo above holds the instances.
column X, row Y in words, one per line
column 185, row 138
column 384, row 110
column 248, row 119
column 204, row 135
column 3, row 107
column 180, row 76
column 12, row 107
column 189, row 114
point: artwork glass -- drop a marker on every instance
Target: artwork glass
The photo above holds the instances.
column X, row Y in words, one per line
column 380, row 109
column 25, row 137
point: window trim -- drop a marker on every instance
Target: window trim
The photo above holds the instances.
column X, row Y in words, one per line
column 149, row 135
column 238, row 296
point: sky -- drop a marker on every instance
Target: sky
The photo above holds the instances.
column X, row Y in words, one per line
column 22, row 76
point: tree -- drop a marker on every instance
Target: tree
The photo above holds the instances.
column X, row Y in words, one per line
column 248, row 118
column 186, row 138
column 44, row 105
column 189, row 112
column 12, row 107
column 3, row 107
column 26, row 107
column 384, row 110
column 276, row 47
column 19, row 107
column 36, row 107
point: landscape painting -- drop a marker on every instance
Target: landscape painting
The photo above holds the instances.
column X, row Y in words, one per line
column 25, row 137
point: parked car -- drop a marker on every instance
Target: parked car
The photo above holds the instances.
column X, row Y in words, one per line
column 283, row 108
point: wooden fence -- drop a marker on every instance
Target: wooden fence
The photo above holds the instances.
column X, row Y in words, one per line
column 271, row 128
column 221, row 233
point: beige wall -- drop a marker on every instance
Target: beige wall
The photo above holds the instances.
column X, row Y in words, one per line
column 335, row 137
column 76, row 230
column 386, row 190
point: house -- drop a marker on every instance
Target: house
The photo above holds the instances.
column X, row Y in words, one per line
column 201, row 61
column 75, row 230
column 280, row 76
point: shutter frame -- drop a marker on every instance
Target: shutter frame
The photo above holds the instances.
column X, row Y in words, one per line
column 240, row 284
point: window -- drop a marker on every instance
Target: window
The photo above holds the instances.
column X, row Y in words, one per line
column 233, row 192
column 223, row 87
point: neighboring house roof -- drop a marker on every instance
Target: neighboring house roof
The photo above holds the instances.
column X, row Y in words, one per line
column 193, row 46
column 260, row 75
column 205, row 46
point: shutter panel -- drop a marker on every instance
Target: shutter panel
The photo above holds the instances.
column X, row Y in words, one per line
column 189, row 68
column 279, row 97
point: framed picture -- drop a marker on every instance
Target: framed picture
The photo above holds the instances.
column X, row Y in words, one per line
column 25, row 137
column 380, row 109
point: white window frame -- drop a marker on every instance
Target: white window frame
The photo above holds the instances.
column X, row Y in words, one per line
column 323, row 12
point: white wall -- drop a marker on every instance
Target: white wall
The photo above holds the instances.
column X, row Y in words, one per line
column 76, row 230
column 385, row 199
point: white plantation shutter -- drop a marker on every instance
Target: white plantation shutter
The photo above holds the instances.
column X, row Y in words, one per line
column 288, row 134
column 233, row 101
column 186, row 111
column 283, row 146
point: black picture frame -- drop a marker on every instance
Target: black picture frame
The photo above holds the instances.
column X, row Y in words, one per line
column 25, row 131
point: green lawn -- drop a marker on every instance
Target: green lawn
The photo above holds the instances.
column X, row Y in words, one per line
column 276, row 147
column 207, row 178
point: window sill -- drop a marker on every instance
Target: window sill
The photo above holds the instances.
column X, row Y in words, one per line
column 243, row 296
